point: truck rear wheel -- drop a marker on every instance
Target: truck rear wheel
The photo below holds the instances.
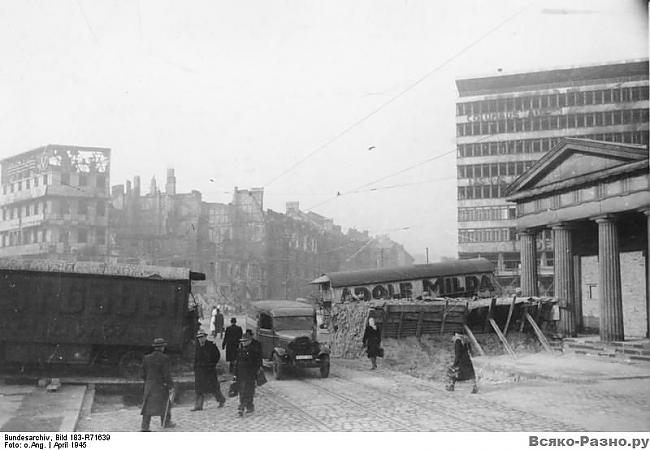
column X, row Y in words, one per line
column 278, row 367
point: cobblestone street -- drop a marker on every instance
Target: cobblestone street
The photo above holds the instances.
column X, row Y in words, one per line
column 356, row 399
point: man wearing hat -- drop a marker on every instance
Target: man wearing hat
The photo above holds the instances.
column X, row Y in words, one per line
column 206, row 357
column 249, row 362
column 231, row 342
column 157, row 383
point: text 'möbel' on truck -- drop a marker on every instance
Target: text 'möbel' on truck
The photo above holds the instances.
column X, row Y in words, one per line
column 92, row 314
column 287, row 332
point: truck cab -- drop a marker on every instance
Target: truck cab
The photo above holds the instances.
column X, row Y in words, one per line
column 287, row 332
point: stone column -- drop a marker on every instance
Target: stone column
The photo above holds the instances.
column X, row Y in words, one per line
column 563, row 278
column 528, row 252
column 577, row 291
column 609, row 281
column 647, row 279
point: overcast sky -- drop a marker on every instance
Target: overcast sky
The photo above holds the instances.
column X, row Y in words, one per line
column 291, row 96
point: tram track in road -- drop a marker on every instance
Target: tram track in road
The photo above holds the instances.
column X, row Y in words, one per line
column 284, row 403
column 453, row 409
column 401, row 425
column 420, row 405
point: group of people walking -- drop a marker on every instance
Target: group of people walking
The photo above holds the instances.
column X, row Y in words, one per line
column 243, row 353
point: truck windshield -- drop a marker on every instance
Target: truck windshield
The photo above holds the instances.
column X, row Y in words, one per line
column 294, row 323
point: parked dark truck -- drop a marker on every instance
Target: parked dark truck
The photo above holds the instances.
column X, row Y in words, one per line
column 287, row 332
column 91, row 313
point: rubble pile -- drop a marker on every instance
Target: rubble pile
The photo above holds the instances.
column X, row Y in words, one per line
column 347, row 327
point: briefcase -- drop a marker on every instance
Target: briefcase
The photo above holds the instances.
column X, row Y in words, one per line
column 233, row 390
column 261, row 378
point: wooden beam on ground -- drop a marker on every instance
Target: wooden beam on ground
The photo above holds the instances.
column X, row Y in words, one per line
column 418, row 330
column 502, row 338
column 510, row 311
column 538, row 332
column 444, row 317
column 475, row 343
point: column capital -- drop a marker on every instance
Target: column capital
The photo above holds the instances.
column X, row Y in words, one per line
column 561, row 226
column 605, row 218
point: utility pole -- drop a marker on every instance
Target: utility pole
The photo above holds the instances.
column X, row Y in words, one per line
column 427, row 255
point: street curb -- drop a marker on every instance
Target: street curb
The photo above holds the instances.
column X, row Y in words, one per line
column 86, row 405
column 69, row 422
column 523, row 375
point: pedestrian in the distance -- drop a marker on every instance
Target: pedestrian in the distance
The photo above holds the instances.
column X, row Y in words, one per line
column 462, row 369
column 218, row 324
column 372, row 342
column 156, row 372
column 206, row 357
column 249, row 363
column 231, row 343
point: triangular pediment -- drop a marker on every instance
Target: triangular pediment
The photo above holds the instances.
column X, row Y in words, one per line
column 576, row 159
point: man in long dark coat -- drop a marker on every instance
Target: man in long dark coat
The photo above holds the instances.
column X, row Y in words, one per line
column 206, row 357
column 249, row 363
column 462, row 368
column 231, row 343
column 218, row 324
column 156, row 372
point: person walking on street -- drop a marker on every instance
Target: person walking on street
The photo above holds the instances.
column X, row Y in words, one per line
column 158, row 382
column 249, row 363
column 372, row 341
column 231, row 343
column 462, row 369
column 206, row 357
column 218, row 324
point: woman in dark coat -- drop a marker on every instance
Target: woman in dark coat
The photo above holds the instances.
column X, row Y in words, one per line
column 462, row 369
column 372, row 340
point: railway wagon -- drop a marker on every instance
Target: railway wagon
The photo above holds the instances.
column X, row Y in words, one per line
column 93, row 314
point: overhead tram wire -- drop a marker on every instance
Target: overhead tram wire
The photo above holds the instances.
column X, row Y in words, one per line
column 370, row 183
column 398, row 95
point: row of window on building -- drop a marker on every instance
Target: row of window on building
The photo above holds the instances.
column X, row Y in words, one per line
column 487, row 213
column 37, row 235
column 58, row 207
column 553, row 122
column 555, row 100
column 494, row 169
column 82, row 179
column 482, row 191
column 466, row 235
column 519, row 146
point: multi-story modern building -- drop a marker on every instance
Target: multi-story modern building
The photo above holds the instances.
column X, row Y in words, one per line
column 505, row 123
column 54, row 202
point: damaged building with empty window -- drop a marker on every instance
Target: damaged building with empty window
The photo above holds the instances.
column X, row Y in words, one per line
column 54, row 201
column 505, row 123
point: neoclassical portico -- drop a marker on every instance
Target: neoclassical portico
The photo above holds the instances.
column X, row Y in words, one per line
column 595, row 197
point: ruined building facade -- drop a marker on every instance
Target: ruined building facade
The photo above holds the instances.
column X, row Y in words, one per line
column 247, row 253
column 54, row 202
